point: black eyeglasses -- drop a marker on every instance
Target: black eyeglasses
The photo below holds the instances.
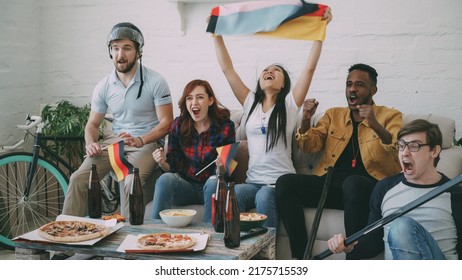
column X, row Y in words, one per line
column 413, row 146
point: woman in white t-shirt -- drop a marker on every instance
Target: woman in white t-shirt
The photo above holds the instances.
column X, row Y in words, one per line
column 270, row 120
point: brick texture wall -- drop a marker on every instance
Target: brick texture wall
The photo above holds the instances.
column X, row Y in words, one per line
column 53, row 50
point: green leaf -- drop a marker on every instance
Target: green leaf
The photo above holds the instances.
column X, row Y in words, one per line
column 66, row 119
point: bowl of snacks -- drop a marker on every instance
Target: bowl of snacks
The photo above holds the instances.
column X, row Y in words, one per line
column 249, row 220
column 177, row 217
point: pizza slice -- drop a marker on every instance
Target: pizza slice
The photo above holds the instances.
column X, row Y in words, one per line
column 116, row 216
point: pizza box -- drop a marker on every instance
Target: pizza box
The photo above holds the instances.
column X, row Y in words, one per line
column 129, row 244
column 111, row 224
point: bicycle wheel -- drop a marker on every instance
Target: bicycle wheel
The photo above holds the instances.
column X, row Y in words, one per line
column 18, row 214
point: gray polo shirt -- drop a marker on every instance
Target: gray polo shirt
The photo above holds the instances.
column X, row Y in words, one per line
column 131, row 115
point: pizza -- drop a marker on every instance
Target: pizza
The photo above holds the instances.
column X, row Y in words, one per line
column 116, row 216
column 165, row 241
column 71, row 231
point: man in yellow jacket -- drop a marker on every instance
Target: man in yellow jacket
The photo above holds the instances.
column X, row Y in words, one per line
column 358, row 141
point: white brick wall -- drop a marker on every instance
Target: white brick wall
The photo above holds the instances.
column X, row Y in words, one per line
column 20, row 60
column 52, row 50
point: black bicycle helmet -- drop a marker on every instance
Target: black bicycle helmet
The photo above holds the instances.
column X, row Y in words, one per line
column 126, row 30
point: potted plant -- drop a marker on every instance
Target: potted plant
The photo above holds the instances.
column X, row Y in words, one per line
column 458, row 143
column 66, row 122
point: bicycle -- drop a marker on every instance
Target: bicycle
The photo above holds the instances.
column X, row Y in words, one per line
column 33, row 188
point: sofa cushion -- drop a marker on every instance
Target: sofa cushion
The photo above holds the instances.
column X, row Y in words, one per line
column 237, row 118
column 450, row 161
column 331, row 221
column 242, row 158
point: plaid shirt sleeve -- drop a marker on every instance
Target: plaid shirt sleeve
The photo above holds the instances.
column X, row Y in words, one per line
column 226, row 135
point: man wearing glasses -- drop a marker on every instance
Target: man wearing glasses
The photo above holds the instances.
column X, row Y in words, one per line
column 431, row 231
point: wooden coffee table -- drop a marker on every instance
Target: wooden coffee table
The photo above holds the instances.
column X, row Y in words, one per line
column 259, row 247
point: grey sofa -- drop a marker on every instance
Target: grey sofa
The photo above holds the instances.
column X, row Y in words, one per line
column 332, row 220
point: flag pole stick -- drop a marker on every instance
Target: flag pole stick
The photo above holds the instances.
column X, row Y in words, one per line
column 102, row 149
column 205, row 167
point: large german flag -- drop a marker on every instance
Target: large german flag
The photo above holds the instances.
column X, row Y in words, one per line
column 119, row 163
column 291, row 19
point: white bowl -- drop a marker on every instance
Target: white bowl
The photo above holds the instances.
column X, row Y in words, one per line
column 177, row 217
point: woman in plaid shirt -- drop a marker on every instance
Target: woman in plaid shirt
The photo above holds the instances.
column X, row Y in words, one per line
column 203, row 125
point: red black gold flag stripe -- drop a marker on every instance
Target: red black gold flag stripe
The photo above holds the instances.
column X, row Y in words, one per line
column 291, row 19
column 119, row 163
column 226, row 154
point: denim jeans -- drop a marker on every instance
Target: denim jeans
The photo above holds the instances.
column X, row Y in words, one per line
column 408, row 240
column 257, row 196
column 171, row 189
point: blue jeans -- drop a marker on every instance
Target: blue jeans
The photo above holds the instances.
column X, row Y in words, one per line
column 258, row 196
column 172, row 189
column 408, row 240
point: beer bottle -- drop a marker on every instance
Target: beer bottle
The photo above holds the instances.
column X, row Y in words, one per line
column 136, row 202
column 232, row 219
column 94, row 194
column 220, row 203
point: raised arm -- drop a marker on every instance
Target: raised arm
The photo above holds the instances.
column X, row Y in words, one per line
column 238, row 87
column 304, row 81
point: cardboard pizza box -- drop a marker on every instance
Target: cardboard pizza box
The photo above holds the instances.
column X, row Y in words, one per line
column 111, row 224
column 129, row 244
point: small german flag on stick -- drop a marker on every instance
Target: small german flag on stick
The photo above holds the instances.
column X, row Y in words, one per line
column 119, row 163
column 226, row 154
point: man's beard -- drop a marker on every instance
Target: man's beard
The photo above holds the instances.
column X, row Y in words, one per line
column 125, row 69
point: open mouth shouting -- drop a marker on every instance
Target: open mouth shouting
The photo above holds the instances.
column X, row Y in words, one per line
column 196, row 111
column 407, row 166
column 353, row 99
column 269, row 77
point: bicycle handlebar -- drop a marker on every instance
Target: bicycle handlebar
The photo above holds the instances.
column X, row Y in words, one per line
column 31, row 122
column 13, row 147
column 36, row 120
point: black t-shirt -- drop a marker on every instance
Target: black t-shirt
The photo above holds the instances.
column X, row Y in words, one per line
column 350, row 160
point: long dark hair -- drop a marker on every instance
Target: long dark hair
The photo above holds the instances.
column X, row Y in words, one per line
column 278, row 119
column 216, row 112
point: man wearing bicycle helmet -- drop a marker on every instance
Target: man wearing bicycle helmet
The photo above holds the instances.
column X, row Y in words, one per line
column 139, row 100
